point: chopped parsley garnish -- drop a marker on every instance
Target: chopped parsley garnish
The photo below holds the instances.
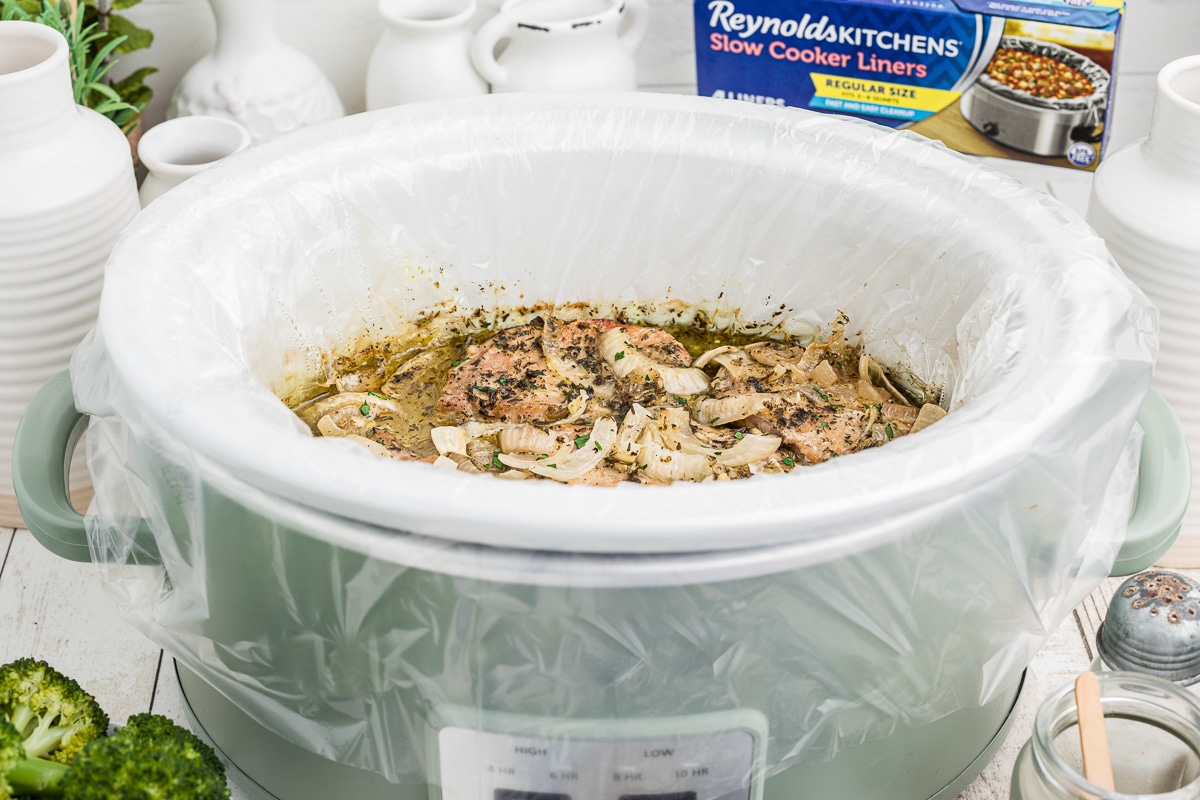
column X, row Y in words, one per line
column 713, row 421
column 580, row 441
column 503, row 381
column 888, row 430
column 598, row 447
column 646, row 378
column 679, row 400
column 496, row 460
column 365, row 409
column 824, row 424
column 485, row 324
column 488, row 389
column 619, row 355
column 552, row 466
column 822, row 395
column 738, row 435
column 717, row 452
column 643, row 466
column 542, row 457
column 374, row 395
column 456, row 363
column 791, row 462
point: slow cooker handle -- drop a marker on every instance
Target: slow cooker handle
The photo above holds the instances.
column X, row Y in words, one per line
column 1164, row 485
column 45, row 440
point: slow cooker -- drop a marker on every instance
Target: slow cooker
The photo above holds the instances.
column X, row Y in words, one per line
column 352, row 626
column 1038, row 125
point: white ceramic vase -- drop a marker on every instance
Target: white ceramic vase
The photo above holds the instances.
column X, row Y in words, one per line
column 67, row 189
column 561, row 45
column 1145, row 202
column 424, row 54
column 177, row 149
column 254, row 78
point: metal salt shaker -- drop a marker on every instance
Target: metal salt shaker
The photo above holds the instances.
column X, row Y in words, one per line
column 1153, row 627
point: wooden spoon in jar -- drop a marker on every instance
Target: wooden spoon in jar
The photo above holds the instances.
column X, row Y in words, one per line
column 1093, row 739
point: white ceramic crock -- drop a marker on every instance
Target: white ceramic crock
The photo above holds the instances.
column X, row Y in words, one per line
column 66, row 190
column 424, row 54
column 561, row 45
column 1145, row 202
column 177, row 149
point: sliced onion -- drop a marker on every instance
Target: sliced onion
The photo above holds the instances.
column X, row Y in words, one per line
column 730, row 409
column 513, row 475
column 870, row 370
column 626, row 447
column 328, row 427
column 442, row 462
column 527, row 461
column 823, row 375
column 735, row 364
column 478, row 430
column 370, row 444
column 708, row 356
column 682, row 381
column 449, row 439
column 929, row 414
column 667, row 466
column 768, row 355
column 677, row 433
column 345, row 400
column 871, row 393
column 748, row 450
column 581, row 461
column 577, row 409
column 527, row 439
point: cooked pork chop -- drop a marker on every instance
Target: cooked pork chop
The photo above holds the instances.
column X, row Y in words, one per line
column 812, row 428
column 506, row 378
column 532, row 372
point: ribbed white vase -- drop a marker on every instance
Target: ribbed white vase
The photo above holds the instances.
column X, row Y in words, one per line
column 1145, row 202
column 67, row 189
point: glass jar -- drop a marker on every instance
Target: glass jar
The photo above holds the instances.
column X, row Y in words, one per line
column 1153, row 731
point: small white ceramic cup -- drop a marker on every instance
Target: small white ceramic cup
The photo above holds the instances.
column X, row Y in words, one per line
column 177, row 149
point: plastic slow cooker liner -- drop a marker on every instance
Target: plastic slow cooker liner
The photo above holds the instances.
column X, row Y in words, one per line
column 845, row 601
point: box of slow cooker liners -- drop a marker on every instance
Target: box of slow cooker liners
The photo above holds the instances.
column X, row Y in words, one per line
column 1024, row 79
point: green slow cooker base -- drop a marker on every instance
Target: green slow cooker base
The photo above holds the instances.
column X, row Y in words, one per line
column 267, row 767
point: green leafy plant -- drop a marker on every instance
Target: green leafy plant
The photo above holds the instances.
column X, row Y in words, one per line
column 96, row 36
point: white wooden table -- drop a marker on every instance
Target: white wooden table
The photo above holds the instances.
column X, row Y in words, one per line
column 56, row 610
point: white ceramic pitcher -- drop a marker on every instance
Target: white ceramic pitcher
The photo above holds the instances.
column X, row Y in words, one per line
column 423, row 54
column 561, row 45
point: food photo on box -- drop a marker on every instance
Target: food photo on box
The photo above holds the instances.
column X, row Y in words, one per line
column 1030, row 81
column 596, row 400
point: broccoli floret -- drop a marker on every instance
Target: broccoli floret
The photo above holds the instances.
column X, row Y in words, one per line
column 151, row 758
column 25, row 777
column 54, row 716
